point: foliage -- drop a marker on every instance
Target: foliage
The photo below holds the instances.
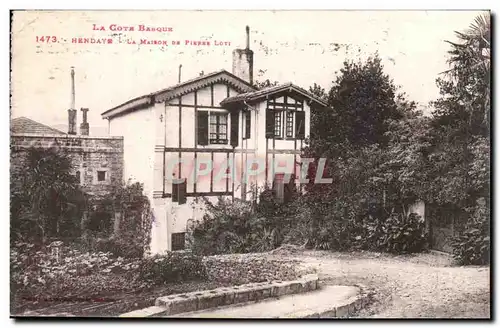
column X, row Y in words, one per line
column 172, row 267
column 361, row 101
column 400, row 234
column 242, row 227
column 472, row 244
column 37, row 273
column 459, row 173
column 131, row 235
column 46, row 200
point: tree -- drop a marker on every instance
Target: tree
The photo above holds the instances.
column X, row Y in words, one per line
column 461, row 118
column 46, row 200
column 361, row 102
column 470, row 63
column 319, row 92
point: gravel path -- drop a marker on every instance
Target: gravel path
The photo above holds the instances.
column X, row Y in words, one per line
column 420, row 286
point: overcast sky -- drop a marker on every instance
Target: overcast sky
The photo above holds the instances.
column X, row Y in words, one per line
column 303, row 47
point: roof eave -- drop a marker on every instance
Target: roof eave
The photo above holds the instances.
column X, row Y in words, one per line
column 142, row 102
column 250, row 98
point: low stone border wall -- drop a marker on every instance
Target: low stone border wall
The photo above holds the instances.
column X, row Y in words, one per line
column 201, row 300
column 346, row 310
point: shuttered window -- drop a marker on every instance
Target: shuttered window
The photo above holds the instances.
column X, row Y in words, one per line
column 218, row 128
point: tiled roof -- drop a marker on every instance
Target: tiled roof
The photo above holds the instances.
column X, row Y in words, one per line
column 26, row 125
column 179, row 90
column 255, row 95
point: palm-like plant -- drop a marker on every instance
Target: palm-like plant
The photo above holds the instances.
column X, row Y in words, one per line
column 471, row 62
column 47, row 193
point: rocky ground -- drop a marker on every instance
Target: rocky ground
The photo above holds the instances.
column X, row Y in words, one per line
column 418, row 286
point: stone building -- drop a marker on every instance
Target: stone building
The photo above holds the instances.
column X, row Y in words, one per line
column 97, row 160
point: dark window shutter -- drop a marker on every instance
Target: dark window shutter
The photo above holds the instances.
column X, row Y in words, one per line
column 234, row 128
column 248, row 125
column 202, row 128
column 300, row 125
column 182, row 192
column 269, row 124
column 175, row 192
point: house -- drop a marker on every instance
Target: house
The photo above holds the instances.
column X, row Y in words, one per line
column 212, row 136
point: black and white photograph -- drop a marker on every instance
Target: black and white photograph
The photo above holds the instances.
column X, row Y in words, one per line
column 250, row 164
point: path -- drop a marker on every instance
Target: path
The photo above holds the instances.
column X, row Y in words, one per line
column 420, row 286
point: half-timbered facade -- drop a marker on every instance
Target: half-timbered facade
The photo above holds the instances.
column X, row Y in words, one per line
column 212, row 136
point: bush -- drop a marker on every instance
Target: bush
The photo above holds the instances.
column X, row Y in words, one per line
column 36, row 273
column 472, row 245
column 172, row 267
column 400, row 234
column 245, row 227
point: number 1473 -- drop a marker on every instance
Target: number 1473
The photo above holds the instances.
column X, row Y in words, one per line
column 46, row 39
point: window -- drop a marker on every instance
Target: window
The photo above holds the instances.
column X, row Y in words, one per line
column 78, row 177
column 277, row 124
column 218, row 128
column 101, row 176
column 178, row 241
column 289, row 124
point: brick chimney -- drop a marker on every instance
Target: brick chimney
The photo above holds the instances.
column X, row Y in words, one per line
column 72, row 110
column 84, row 127
column 243, row 61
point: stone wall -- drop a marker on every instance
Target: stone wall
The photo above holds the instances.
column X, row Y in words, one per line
column 97, row 160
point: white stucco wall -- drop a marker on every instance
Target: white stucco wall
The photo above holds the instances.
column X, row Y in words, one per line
column 137, row 129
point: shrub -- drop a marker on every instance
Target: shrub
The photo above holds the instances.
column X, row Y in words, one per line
column 472, row 244
column 243, row 227
column 36, row 273
column 400, row 234
column 172, row 267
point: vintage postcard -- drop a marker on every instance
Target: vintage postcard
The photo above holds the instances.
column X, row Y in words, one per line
column 250, row 164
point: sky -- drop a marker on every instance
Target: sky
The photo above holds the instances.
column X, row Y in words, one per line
column 303, row 47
